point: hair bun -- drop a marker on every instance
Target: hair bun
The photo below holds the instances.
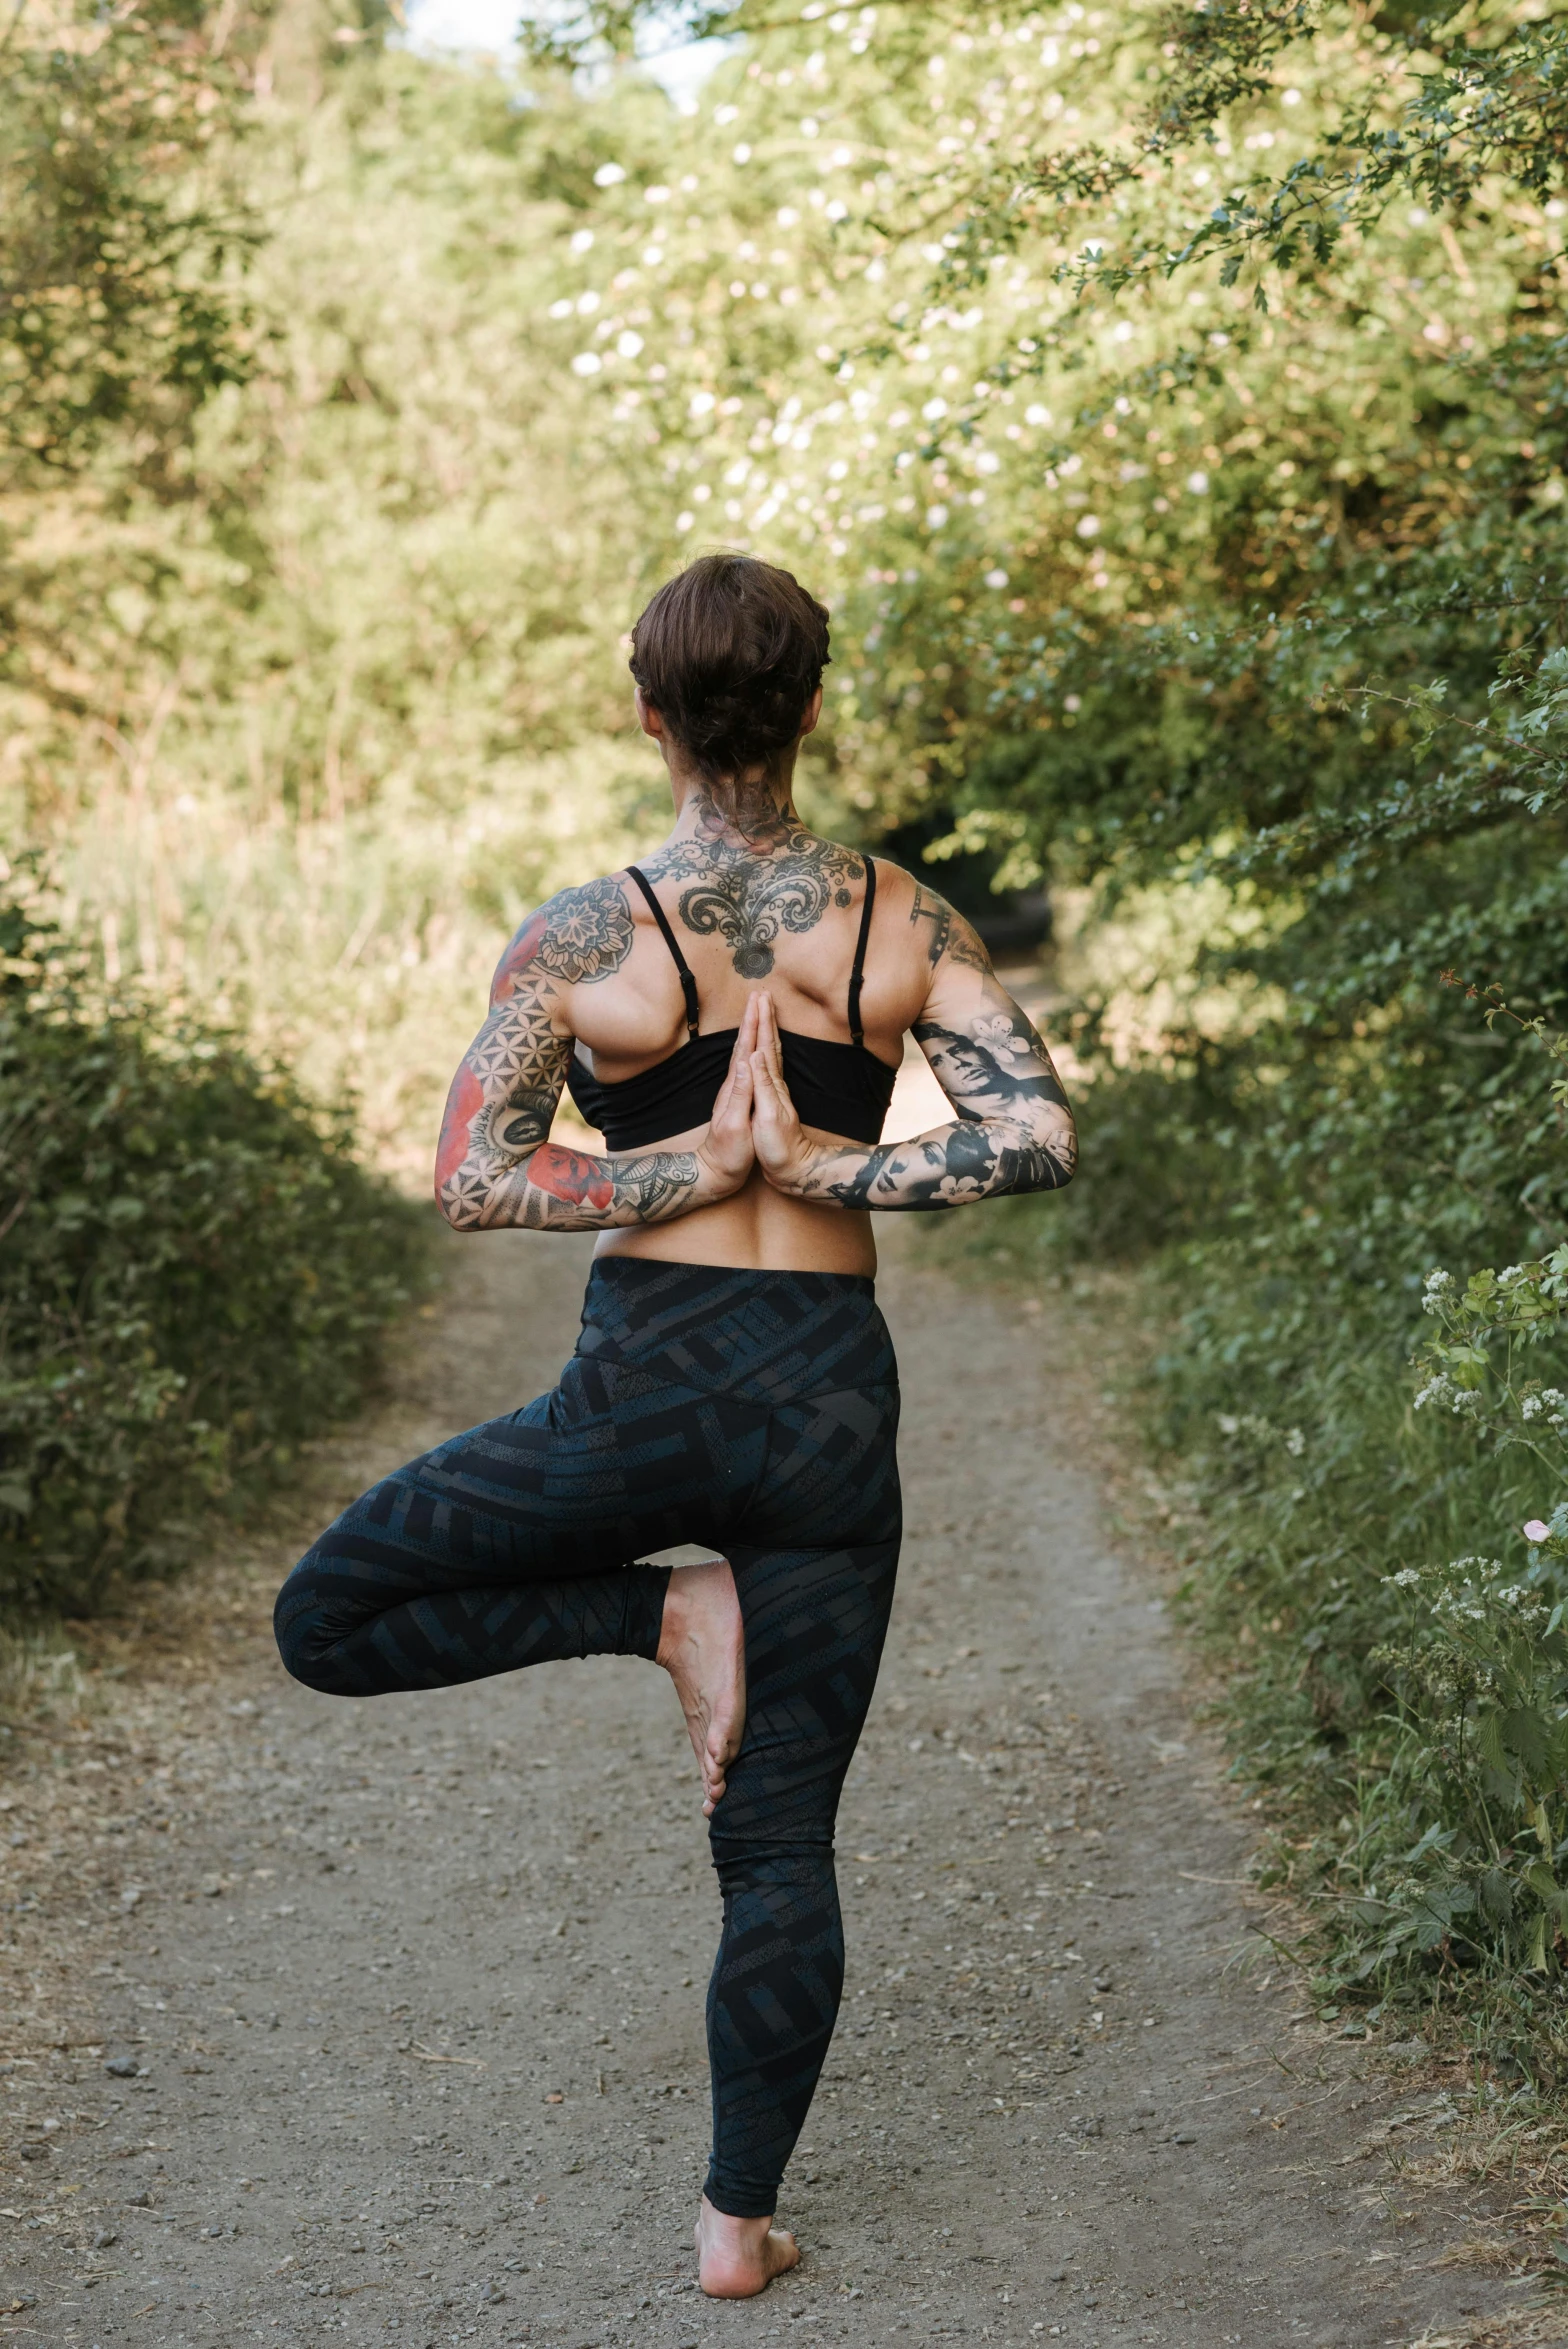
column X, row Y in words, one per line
column 730, row 653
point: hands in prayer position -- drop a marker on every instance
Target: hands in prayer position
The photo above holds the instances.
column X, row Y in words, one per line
column 1012, row 1129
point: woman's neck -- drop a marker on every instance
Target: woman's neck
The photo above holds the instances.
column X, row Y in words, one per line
column 752, row 818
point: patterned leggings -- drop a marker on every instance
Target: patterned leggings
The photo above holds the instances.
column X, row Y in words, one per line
column 755, row 1412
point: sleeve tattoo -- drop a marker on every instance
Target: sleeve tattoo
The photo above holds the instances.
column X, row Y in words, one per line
column 495, row 1166
column 1014, row 1129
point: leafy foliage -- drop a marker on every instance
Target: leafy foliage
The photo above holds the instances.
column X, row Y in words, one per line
column 197, row 1271
column 1172, row 410
column 117, row 311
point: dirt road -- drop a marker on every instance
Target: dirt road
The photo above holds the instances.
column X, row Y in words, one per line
column 384, row 2022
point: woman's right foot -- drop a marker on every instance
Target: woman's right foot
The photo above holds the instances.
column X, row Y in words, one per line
column 702, row 1646
column 737, row 2257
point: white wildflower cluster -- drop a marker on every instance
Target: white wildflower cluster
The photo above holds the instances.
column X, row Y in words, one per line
column 1405, row 1579
column 1464, row 1402
column 1253, row 1425
column 1472, row 1593
column 1434, row 1290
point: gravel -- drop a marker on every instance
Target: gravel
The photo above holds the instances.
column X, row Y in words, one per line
column 418, row 1984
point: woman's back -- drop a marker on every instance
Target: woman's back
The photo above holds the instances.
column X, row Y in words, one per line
column 802, row 916
column 732, row 1012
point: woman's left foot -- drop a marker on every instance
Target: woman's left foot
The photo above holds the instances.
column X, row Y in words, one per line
column 737, row 2258
column 702, row 1646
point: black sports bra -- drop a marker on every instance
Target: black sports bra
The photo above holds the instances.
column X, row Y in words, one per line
column 838, row 1088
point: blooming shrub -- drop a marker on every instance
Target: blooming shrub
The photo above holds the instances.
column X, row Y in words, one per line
column 1464, row 1847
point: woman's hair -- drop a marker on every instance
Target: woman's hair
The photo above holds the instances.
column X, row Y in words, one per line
column 729, row 653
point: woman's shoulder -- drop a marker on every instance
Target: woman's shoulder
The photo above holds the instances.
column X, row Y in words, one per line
column 582, row 932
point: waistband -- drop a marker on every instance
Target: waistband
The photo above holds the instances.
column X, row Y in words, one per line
column 761, row 1336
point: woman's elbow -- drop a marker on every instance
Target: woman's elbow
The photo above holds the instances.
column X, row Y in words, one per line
column 458, row 1207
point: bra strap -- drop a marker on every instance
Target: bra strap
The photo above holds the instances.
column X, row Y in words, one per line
column 858, row 968
column 688, row 983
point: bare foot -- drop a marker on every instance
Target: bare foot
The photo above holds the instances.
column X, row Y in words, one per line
column 702, row 1646
column 739, row 2257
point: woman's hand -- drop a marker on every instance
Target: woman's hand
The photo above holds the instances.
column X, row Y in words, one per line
column 727, row 1152
column 783, row 1150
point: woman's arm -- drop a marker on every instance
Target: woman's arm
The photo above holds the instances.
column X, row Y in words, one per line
column 496, row 1167
column 1013, row 1132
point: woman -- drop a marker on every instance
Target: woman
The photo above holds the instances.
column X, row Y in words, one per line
column 730, row 1015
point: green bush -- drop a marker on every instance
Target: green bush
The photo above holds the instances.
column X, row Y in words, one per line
column 196, row 1272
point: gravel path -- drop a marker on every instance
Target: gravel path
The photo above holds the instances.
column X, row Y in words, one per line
column 384, row 2022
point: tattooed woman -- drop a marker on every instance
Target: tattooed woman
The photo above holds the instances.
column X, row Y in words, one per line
column 730, row 1015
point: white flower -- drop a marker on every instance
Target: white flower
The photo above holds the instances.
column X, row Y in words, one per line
column 587, row 363
column 934, row 411
column 1089, row 526
column 1405, row 1579
column 656, row 195
column 1436, row 1390
column 1531, row 1407
column 628, row 344
column 609, row 175
column 1198, row 484
column 996, row 579
column 1437, row 1281
column 684, row 521
column 1510, row 1272
column 998, row 1037
column 936, row 516
column 1228, row 1424
column 1035, row 414
column 1295, row 1443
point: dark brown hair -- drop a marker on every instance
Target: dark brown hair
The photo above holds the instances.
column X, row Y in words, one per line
column 729, row 653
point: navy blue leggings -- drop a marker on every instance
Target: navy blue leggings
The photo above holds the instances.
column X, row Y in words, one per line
column 754, row 1412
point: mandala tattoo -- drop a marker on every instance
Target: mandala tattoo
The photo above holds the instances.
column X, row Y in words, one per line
column 587, row 934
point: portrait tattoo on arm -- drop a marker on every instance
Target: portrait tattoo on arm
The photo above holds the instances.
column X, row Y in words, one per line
column 1013, row 1132
column 495, row 1166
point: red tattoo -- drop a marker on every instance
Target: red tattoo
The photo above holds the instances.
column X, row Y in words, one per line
column 517, row 957
column 571, row 1175
column 463, row 1104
